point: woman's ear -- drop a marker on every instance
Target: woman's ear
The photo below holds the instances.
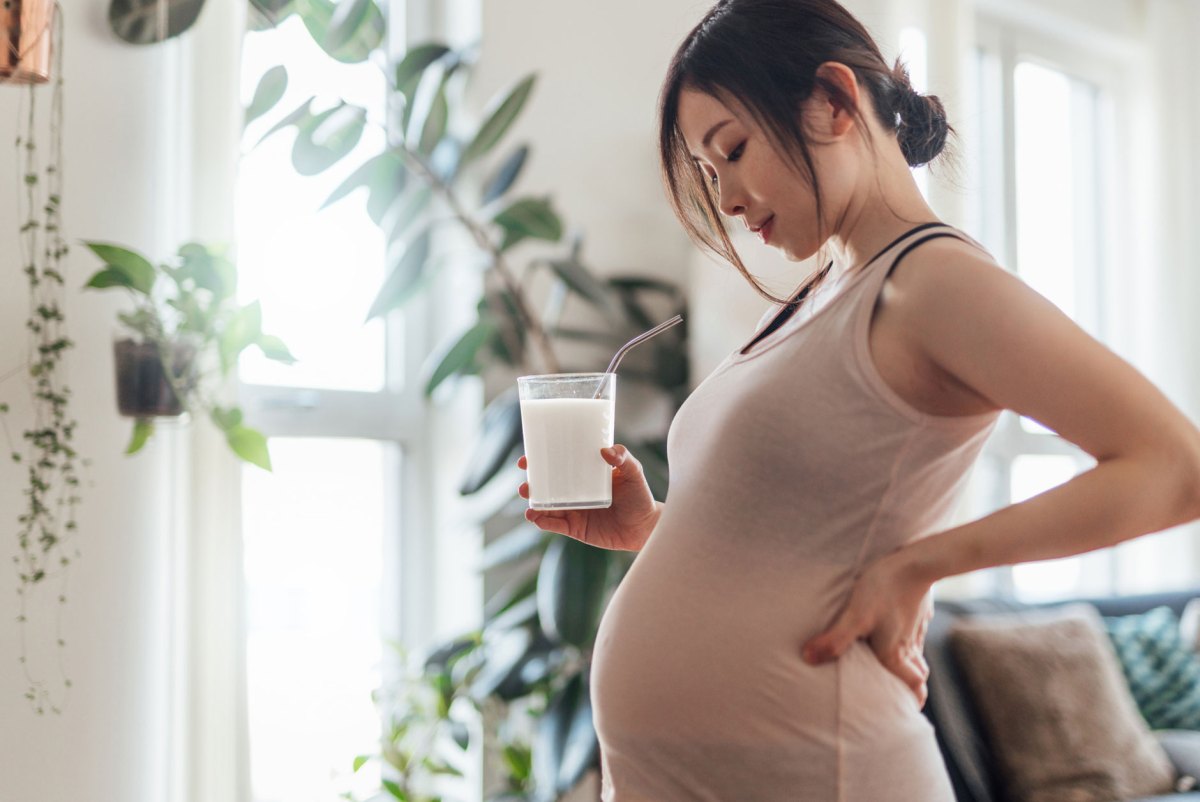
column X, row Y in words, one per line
column 835, row 111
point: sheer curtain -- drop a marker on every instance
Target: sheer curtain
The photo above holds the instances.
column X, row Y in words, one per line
column 207, row 700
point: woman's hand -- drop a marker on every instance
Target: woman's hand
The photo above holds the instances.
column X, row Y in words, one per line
column 626, row 525
column 890, row 609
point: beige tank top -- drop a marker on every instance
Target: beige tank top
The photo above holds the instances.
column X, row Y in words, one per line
column 793, row 465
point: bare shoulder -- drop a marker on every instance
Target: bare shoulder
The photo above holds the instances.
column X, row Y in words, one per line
column 981, row 325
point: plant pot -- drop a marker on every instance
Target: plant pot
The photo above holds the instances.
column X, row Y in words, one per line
column 26, row 31
column 142, row 388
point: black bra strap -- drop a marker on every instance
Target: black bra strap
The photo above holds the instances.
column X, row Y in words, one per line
column 921, row 241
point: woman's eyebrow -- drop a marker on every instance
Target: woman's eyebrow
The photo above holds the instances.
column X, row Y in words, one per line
column 711, row 133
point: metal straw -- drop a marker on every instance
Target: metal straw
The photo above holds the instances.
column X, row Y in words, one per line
column 641, row 338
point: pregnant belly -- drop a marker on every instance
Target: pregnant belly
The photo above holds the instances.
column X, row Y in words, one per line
column 713, row 652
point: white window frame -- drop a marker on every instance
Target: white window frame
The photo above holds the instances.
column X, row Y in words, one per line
column 1010, row 35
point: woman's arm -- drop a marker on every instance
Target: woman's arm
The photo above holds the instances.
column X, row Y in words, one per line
column 987, row 330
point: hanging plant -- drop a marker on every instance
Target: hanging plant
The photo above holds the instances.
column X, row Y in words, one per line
column 44, row 449
column 182, row 341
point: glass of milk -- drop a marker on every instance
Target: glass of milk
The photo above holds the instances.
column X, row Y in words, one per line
column 566, row 419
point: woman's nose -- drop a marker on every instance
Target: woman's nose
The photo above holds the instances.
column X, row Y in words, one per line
column 731, row 204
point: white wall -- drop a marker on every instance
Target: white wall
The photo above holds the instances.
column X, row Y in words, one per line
column 126, row 179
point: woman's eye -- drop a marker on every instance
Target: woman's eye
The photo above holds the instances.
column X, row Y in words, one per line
column 737, row 152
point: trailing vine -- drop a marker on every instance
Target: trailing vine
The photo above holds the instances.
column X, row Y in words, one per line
column 45, row 451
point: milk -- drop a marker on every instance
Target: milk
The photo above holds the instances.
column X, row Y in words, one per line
column 563, row 438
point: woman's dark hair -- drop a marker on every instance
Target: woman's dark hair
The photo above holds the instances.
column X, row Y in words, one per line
column 762, row 56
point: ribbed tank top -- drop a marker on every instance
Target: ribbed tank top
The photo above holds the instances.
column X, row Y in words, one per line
column 793, row 465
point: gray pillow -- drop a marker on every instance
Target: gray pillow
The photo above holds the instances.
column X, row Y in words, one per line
column 1183, row 747
column 1061, row 720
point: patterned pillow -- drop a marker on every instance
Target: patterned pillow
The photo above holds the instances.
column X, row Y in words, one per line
column 1162, row 671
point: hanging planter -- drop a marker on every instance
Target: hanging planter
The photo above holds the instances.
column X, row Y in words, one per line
column 143, row 389
column 179, row 346
column 26, row 32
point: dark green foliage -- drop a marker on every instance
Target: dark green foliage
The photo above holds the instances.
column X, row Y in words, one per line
column 445, row 166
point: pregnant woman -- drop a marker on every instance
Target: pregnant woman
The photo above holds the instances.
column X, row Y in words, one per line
column 766, row 643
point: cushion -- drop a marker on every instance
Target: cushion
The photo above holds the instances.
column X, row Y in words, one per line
column 1183, row 747
column 1162, row 670
column 1062, row 722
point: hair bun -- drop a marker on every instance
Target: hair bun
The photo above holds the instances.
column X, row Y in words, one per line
column 921, row 127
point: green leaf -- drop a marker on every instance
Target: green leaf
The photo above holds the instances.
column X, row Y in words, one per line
column 501, row 114
column 581, row 280
column 324, row 139
column 296, row 116
column 518, row 760
column 407, row 269
column 138, row 270
column 347, row 33
column 514, row 545
column 461, row 735
column 408, row 210
column 226, row 419
column 570, row 591
column 503, row 659
column 274, row 348
column 520, row 614
column 250, row 445
column 505, row 176
column 440, row 767
column 267, row 14
column 143, row 428
column 459, row 355
column 385, row 178
column 269, row 91
column 413, row 65
column 528, row 217
column 348, row 20
column 135, row 21
column 637, row 283
column 511, row 593
column 108, row 277
column 395, row 790
column 580, row 747
column 434, row 127
column 500, row 436
column 445, row 656
column 566, row 740
column 243, row 330
column 360, row 760
column 208, row 268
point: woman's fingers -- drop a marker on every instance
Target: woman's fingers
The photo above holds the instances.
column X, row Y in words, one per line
column 547, row 521
column 913, row 674
column 614, row 455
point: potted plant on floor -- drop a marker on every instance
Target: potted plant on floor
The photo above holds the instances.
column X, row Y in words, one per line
column 182, row 340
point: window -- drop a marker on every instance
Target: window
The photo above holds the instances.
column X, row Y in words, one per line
column 1045, row 129
column 322, row 532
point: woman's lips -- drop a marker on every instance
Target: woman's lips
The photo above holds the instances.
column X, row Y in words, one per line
column 765, row 231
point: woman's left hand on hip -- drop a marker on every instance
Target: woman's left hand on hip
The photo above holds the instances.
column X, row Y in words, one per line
column 890, row 610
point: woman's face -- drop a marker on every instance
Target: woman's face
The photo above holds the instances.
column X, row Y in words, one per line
column 755, row 184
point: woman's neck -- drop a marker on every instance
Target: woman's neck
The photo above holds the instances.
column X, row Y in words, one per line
column 889, row 205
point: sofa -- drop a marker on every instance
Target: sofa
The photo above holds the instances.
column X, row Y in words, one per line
column 955, row 714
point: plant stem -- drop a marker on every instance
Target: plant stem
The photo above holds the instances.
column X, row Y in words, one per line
column 549, row 361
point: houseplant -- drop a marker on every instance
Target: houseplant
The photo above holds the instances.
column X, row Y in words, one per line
column 443, row 170
column 45, row 451
column 182, row 340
